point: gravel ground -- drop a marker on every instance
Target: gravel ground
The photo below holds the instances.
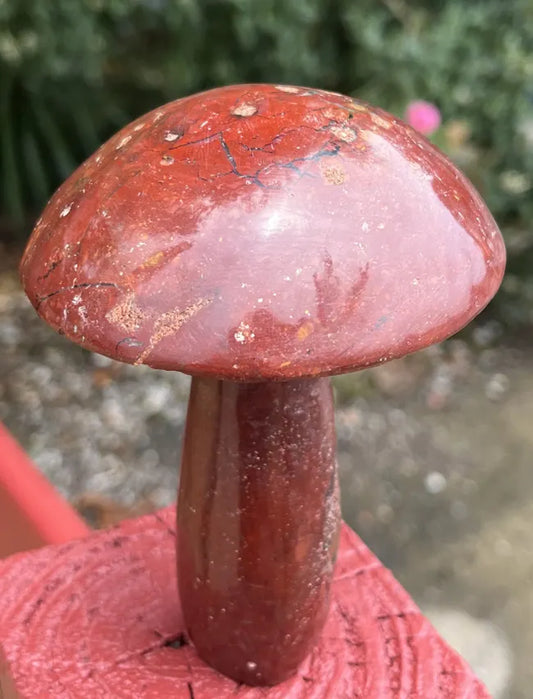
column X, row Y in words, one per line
column 435, row 453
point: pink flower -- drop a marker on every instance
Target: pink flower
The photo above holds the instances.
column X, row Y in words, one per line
column 423, row 116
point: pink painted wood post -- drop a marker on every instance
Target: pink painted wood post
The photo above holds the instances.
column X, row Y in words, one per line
column 100, row 617
column 32, row 513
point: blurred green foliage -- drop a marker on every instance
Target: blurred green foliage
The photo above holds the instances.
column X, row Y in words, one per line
column 73, row 71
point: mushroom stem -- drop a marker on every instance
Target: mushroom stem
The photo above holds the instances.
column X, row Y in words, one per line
column 258, row 520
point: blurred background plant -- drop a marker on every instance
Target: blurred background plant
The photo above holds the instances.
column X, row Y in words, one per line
column 73, row 71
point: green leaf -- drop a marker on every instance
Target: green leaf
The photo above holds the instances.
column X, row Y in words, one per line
column 10, row 155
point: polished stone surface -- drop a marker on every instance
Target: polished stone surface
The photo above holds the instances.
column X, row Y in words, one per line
column 261, row 231
column 258, row 523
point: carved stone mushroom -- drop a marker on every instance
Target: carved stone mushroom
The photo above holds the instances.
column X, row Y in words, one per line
column 261, row 238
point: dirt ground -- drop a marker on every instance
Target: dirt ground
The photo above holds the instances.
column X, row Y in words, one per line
column 435, row 453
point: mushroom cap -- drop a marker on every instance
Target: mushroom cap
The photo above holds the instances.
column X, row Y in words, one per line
column 259, row 232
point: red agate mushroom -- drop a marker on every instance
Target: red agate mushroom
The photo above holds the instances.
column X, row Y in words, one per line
column 261, row 238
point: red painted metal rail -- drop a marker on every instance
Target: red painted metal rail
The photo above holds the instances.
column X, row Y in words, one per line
column 99, row 617
column 32, row 513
